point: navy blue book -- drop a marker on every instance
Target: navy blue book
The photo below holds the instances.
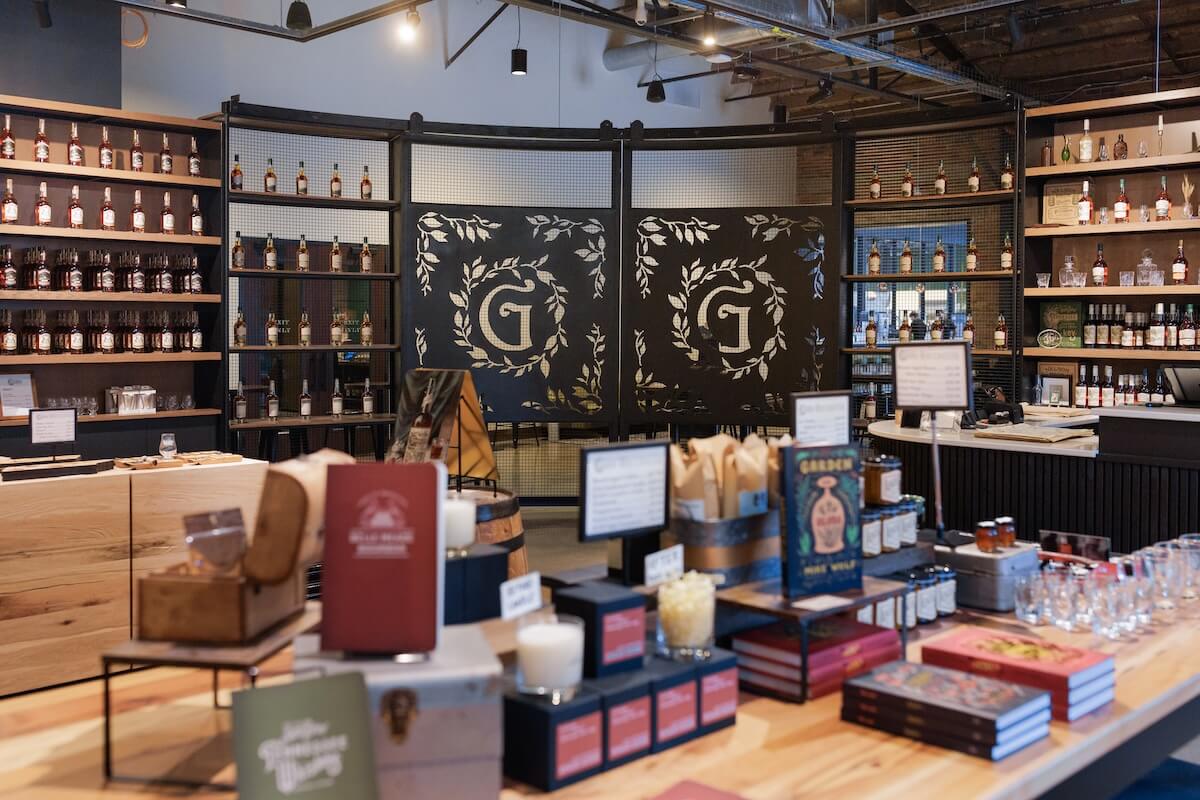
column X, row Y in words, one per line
column 823, row 544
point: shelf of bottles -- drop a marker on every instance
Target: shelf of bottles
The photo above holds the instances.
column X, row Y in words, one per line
column 311, row 279
column 100, row 207
column 933, row 250
column 1110, row 220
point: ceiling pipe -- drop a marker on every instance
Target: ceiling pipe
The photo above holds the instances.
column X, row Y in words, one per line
column 913, row 20
column 639, row 54
column 277, row 31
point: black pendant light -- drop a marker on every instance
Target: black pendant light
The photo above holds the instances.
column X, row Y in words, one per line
column 656, row 92
column 299, row 18
column 519, row 60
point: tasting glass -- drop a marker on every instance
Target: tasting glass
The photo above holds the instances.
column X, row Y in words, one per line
column 167, row 447
column 1103, row 216
column 1162, row 570
column 1143, row 150
column 1081, row 579
column 1180, row 573
column 549, row 655
column 1043, row 280
column 1190, row 542
column 1132, row 571
column 1029, row 594
column 1103, row 601
column 1080, row 280
column 1060, row 598
column 1127, row 277
column 1145, row 213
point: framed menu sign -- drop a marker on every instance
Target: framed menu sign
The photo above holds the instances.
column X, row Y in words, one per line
column 821, row 419
column 932, row 376
column 623, row 490
column 17, row 395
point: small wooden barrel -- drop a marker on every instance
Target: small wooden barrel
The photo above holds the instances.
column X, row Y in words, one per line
column 741, row 550
column 498, row 522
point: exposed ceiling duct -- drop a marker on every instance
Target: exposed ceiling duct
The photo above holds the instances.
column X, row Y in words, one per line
column 639, row 54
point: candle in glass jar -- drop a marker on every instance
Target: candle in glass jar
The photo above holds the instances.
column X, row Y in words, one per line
column 686, row 608
column 460, row 523
column 550, row 654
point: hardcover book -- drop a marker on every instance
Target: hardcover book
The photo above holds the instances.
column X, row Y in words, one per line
column 832, row 641
column 1023, row 659
column 822, row 551
column 382, row 573
column 932, row 722
column 783, row 679
column 993, row 752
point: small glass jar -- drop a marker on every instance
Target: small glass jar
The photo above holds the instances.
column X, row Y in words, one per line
column 910, row 599
column 947, row 589
column 986, row 538
column 686, row 613
column 549, row 655
column 890, row 525
column 872, row 532
column 919, row 502
column 1006, row 531
column 926, row 596
column 882, row 483
column 885, row 613
column 908, row 522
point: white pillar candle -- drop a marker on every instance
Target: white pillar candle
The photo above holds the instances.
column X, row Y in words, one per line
column 550, row 655
column 460, row 523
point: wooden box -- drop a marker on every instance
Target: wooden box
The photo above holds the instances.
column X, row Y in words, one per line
column 744, row 550
column 213, row 609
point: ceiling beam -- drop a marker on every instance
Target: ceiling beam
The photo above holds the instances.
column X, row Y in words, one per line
column 913, row 18
column 277, row 31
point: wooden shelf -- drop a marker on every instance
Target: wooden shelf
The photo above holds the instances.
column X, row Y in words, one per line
column 312, row 422
column 109, row 236
column 1184, row 290
column 990, row 352
column 280, row 273
column 884, row 376
column 105, row 358
column 1129, row 104
column 989, row 197
column 931, row 277
column 1112, row 229
column 1111, row 353
column 60, row 110
column 882, row 350
column 1148, row 164
column 107, row 175
column 323, row 348
column 309, row 200
column 182, row 412
column 33, row 296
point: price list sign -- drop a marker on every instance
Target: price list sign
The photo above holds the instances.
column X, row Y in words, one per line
column 821, row 419
column 623, row 490
column 932, row 376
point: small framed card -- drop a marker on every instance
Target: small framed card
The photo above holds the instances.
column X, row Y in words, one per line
column 623, row 490
column 821, row 419
column 18, row 394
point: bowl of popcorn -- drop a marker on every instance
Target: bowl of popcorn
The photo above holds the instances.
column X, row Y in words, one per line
column 686, row 608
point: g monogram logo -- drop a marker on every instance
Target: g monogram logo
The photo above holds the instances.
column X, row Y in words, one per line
column 507, row 309
column 727, row 310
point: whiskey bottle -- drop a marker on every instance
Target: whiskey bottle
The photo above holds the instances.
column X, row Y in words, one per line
column 939, row 182
column 235, row 175
column 364, row 185
column 301, row 180
column 238, row 254
column 904, row 332
column 1120, row 148
column 137, row 335
column 166, row 336
column 194, row 283
column 74, row 147
column 1085, row 207
column 939, row 256
column 137, row 215
column 973, row 180
column 1089, row 327
column 938, row 328
column 1065, row 155
column 41, row 144
column 167, row 217
column 1128, row 332
column 108, row 277
column 1131, row 389
column 1006, row 175
column 74, row 209
column 1179, row 267
column 876, row 187
column 108, row 215
column 272, row 401
column 1162, row 205
column 1143, row 392
column 1156, row 333
column 1119, row 393
column 43, row 337
column 1121, row 205
column 1047, row 154
column 368, row 399
column 364, row 257
column 1187, row 330
column 906, row 259
column 1162, row 391
column 194, row 160
column 1102, row 331
column 302, row 255
column 9, row 211
column 968, row 331
column 197, row 342
column 305, row 400
column 270, row 257
column 164, row 279
column 870, row 406
column 305, row 330
column 416, row 448
column 873, row 259
column 8, row 335
column 1099, row 268
column 1000, row 335
column 335, row 256
column 166, row 162
column 43, row 213
column 239, row 404
column 906, row 183
column 366, row 331
column 335, row 183
column 1116, row 326
column 337, row 402
column 9, row 276
column 42, row 275
column 8, row 144
column 239, row 330
column 1172, row 328
column 1085, row 143
column 75, row 336
column 197, row 217
column 1093, row 388
column 74, row 273
column 1140, row 327
column 270, row 179
column 272, row 330
column 108, row 159
column 137, row 159
column 872, row 329
column 1006, row 253
column 108, row 339
column 336, row 330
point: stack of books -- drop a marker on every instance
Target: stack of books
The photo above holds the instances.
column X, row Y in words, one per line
column 948, row 708
column 1080, row 681
column 838, row 648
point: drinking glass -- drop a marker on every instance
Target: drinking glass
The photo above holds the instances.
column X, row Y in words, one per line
column 1030, row 598
column 167, row 447
column 1080, row 579
column 1157, row 277
column 1127, row 277
column 1145, row 213
column 1190, row 542
column 1126, row 591
column 1103, row 216
column 1161, row 570
column 1043, row 280
column 1060, row 598
column 1103, row 601
column 1131, row 569
column 1179, row 573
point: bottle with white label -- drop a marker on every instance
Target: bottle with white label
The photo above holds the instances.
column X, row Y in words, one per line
column 335, row 183
column 337, row 401
column 74, row 147
column 972, row 255
column 906, row 259
column 1143, row 392
column 364, row 185
column 365, row 258
column 108, row 340
column 305, row 400
column 270, row 179
column 366, row 331
column 8, row 143
column 9, row 275
column 1085, row 143
column 9, row 210
column 1006, row 175
column 270, row 255
column 41, row 144
column 973, row 180
column 939, row 256
column 8, row 335
column 1093, row 388
column 108, row 158
column 937, row 328
column 1162, row 205
column 1000, row 335
column 43, row 212
column 305, row 329
column 872, row 329
column 137, row 335
column 301, row 180
column 272, row 401
column 167, row 216
column 876, row 187
column 1187, row 329
column 1121, row 205
column 1084, row 206
column 904, row 332
column 239, row 404
column 197, row 334
column 108, row 215
column 235, row 174
column 869, row 404
column 194, row 160
column 968, row 331
column 302, row 255
column 166, row 336
column 939, row 182
column 368, row 398
column 238, row 254
column 137, row 159
column 197, row 217
column 906, row 183
column 239, row 329
column 75, row 335
column 1108, row 396
column 75, row 209
column 272, row 330
column 335, row 256
column 166, row 161
column 1100, row 268
column 873, row 259
column 1179, row 267
column 1156, row 333
column 137, row 214
column 42, row 273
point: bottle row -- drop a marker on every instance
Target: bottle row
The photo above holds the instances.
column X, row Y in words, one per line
column 1128, row 390
column 1087, row 150
column 1122, row 206
column 1112, row 325
column 912, row 328
column 1144, row 274
column 67, row 332
column 100, row 271
column 76, row 152
column 908, row 185
column 340, row 327
column 106, row 219
column 271, row 180
column 272, row 259
column 337, row 401
column 938, row 262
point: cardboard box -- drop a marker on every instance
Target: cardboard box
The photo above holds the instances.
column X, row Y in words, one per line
column 614, row 620
column 550, row 746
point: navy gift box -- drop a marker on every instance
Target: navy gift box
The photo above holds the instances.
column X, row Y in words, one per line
column 717, row 681
column 674, row 695
column 473, row 584
column 614, row 620
column 550, row 746
column 628, row 716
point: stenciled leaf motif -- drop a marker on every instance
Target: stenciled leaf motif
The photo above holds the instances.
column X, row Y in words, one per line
column 649, row 234
column 432, row 227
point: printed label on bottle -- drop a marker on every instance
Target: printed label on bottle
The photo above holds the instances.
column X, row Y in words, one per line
column 1001, row 339
column 935, row 333
column 906, row 189
column 138, row 341
column 868, row 409
column 872, row 539
column 968, row 336
column 629, row 728
column 271, row 259
column 193, row 167
column 168, row 223
column 1114, row 336
column 76, row 217
column 947, row 597
column 272, row 408
column 42, row 151
column 335, row 335
column 239, row 259
column 1085, row 212
column 1006, row 261
column 1108, row 396
column 75, row 281
column 939, row 263
column 10, row 211
column 43, row 278
column 1006, row 180
column 875, row 191
column 871, row 336
column 891, row 533
column 76, row 342
column 1127, row 338
column 139, row 220
column 43, row 214
column 1156, row 397
column 239, row 409
column 302, row 262
column 1085, row 150
column 9, row 150
column 939, row 185
column 108, row 218
column 1081, row 396
column 1093, row 396
column 270, row 183
column 335, row 262
column 905, row 334
column 167, row 163
column 1156, row 336
column 368, row 403
column 367, row 334
column 335, row 188
column 927, row 603
column 197, row 341
column 139, row 281
column 10, row 342
column 106, row 157
column 366, row 263
column 365, row 191
column 1162, row 208
column 306, row 408
column 1120, row 210
column 137, row 160
column 578, row 745
column 889, row 486
column 885, row 613
column 272, row 335
column 1142, row 397
column 168, row 341
column 905, row 263
column 337, row 406
column 44, row 342
column 305, row 335
column 236, row 180
column 972, row 262
column 1089, row 335
column 1169, row 400
column 108, row 280
column 107, row 342
column 623, row 635
column 10, row 278
column 873, row 264
column 1187, row 337
column 973, row 183
column 301, row 186
column 197, row 225
column 75, row 154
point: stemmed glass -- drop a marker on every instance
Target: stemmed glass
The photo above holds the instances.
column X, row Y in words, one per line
column 167, row 447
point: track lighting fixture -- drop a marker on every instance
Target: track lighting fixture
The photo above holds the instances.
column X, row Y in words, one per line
column 519, row 60
column 42, row 9
column 824, row 91
column 408, row 28
column 299, row 18
column 656, row 92
column 708, row 32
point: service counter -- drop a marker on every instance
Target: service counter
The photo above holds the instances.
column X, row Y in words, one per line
column 1137, row 481
column 72, row 549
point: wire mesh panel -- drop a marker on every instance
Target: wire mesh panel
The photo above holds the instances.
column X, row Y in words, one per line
column 319, row 154
column 488, row 176
column 921, row 154
column 733, row 178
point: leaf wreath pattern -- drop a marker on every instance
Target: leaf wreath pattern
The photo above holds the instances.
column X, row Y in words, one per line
column 478, row 272
column 585, row 393
column 434, row 227
column 644, row 384
column 811, row 253
column 422, row 346
column 816, row 343
column 595, row 249
column 650, row 233
column 697, row 275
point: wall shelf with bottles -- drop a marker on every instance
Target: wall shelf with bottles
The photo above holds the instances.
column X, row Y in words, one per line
column 327, row 421
column 309, row 200
column 97, row 115
column 309, row 348
column 59, row 359
column 929, row 277
column 980, row 198
column 1147, row 164
column 1111, row 354
column 149, row 298
column 92, row 234
column 1167, row 226
column 115, row 418
column 83, row 173
column 288, row 274
column 1182, row 290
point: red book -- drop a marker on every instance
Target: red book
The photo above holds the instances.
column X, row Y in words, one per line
column 382, row 573
column 1020, row 659
column 785, row 678
column 832, row 642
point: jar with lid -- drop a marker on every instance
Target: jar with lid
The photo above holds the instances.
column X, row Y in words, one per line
column 986, row 538
column 882, row 484
column 890, row 525
column 947, row 589
column 926, row 595
column 919, row 501
column 885, row 613
column 910, row 598
column 908, row 521
column 1006, row 531
column 872, row 532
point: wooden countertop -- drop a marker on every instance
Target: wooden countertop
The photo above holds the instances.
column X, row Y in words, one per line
column 1085, row 447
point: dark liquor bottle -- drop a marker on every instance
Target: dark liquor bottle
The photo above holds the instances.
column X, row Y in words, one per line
column 368, row 399
column 365, row 259
column 272, row 330
column 74, row 210
column 197, row 226
column 1120, row 148
column 906, row 259
column 1172, row 327
column 872, row 329
column 1143, row 392
column 1179, row 267
column 938, row 328
column 1000, row 335
column 1162, row 204
column 167, row 216
column 305, row 330
column 137, row 335
column 972, row 255
column 1089, row 327
column 906, row 183
column 1099, row 268
column 74, row 147
column 1159, row 393
column 1108, row 392
column 1093, row 388
column 364, row 185
column 301, row 180
column 197, row 343
column 874, row 261
column 108, row 159
column 137, row 159
column 335, row 256
column 137, row 214
column 270, row 255
column 302, row 255
column 973, row 180
column 235, row 175
column 366, row 331
column 270, row 179
column 420, row 433
column 1081, row 388
column 1187, row 330
column 43, row 212
column 875, row 189
column 8, row 335
column 108, row 215
column 1102, row 326
column 166, row 161
column 9, row 275
column 335, row 183
column 305, row 400
column 239, row 330
column 337, row 401
column 9, row 210
column 1006, row 175
column 239, row 404
column 968, row 331
column 1121, row 205
column 904, row 332
column 8, row 143
column 238, row 254
column 939, row 256
column 41, row 144
column 272, row 401
column 194, row 160
column 939, row 181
